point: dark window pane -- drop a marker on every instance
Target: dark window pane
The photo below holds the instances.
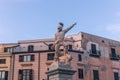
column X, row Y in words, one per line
column 116, row 76
column 113, row 51
column 2, row 61
column 6, row 75
column 32, row 57
column 79, row 57
column 21, row 57
column 95, row 75
column 93, row 48
column 50, row 46
column 80, row 73
column 6, row 49
column 70, row 47
column 50, row 56
column 31, row 73
column 30, row 48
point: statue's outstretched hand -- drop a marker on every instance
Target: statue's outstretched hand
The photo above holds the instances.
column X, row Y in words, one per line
column 74, row 24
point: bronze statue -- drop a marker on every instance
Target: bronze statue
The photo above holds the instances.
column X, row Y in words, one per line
column 59, row 39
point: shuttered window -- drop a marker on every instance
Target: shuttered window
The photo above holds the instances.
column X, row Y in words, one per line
column 25, row 58
column 3, row 75
column 25, row 74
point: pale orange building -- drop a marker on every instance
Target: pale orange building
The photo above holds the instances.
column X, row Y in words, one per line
column 94, row 58
column 5, row 60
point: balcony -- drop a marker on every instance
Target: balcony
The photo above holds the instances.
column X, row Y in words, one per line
column 96, row 53
column 114, row 57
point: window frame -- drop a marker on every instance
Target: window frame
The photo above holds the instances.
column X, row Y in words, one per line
column 80, row 73
column 26, row 58
column 2, row 61
column 50, row 56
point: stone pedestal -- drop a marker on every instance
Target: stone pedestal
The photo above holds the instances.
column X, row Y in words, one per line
column 60, row 71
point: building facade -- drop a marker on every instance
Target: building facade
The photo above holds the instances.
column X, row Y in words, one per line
column 5, row 61
column 101, row 57
column 94, row 58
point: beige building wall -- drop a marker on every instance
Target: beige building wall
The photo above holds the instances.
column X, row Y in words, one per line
column 7, row 56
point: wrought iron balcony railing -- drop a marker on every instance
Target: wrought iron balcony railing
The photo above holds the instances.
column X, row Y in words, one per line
column 114, row 56
column 96, row 53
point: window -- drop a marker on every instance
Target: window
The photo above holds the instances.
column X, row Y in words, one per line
column 79, row 57
column 50, row 56
column 95, row 75
column 50, row 46
column 70, row 47
column 3, row 75
column 113, row 51
column 25, row 74
column 116, row 77
column 2, row 61
column 113, row 55
column 25, row 58
column 30, row 48
column 6, row 49
column 80, row 74
column 93, row 48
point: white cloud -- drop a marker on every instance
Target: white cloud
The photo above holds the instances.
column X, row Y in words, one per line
column 113, row 28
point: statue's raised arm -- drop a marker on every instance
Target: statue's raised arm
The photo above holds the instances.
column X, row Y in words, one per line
column 70, row 27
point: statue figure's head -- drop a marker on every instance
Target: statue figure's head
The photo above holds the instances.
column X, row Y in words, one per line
column 60, row 26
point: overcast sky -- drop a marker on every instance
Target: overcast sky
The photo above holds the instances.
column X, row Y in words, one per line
column 38, row 19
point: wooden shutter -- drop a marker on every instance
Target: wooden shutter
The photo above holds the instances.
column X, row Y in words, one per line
column 6, row 75
column 20, row 75
column 32, row 57
column 21, row 57
column 31, row 74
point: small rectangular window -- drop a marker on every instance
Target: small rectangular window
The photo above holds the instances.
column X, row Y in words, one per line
column 2, row 61
column 93, row 48
column 80, row 74
column 50, row 56
column 6, row 49
column 30, row 48
column 32, row 57
column 95, row 75
column 50, row 46
column 70, row 47
column 116, row 76
column 79, row 57
column 113, row 51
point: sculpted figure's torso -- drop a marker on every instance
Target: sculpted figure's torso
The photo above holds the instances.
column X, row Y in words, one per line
column 59, row 36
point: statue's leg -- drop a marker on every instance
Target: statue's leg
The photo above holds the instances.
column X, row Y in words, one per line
column 57, row 46
column 65, row 48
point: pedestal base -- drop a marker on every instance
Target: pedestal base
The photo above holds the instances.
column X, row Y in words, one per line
column 60, row 71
